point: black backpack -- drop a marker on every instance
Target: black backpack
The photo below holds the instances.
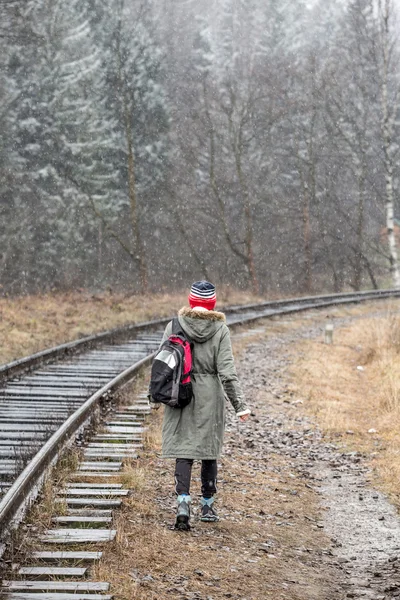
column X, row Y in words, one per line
column 170, row 381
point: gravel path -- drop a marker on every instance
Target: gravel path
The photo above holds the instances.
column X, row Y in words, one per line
column 363, row 526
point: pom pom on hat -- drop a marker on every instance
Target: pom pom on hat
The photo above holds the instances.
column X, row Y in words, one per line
column 202, row 293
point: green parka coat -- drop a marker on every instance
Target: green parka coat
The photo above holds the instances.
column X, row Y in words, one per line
column 197, row 430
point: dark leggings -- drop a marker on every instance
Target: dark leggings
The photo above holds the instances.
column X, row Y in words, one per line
column 183, row 474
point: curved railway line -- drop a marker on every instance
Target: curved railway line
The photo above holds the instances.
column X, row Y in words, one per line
column 46, row 400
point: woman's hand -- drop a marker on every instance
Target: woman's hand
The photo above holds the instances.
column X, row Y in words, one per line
column 153, row 405
column 244, row 418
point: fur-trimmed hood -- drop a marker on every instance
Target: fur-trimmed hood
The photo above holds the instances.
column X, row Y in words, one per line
column 201, row 325
column 208, row 315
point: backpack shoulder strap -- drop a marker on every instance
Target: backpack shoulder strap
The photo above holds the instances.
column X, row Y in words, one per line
column 177, row 329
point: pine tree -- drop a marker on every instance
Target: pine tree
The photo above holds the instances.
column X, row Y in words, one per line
column 135, row 105
column 50, row 129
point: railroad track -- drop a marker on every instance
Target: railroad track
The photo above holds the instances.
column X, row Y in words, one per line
column 46, row 400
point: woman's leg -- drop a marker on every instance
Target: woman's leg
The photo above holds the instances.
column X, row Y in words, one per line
column 208, row 489
column 209, row 478
column 183, row 474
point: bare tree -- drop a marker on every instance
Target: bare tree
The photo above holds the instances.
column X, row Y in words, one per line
column 388, row 56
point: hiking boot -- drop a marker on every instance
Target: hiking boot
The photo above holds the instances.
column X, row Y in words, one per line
column 183, row 513
column 208, row 513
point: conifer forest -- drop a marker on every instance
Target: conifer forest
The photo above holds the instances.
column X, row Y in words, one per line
column 148, row 143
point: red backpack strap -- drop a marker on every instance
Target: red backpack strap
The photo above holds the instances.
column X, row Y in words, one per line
column 188, row 363
column 179, row 337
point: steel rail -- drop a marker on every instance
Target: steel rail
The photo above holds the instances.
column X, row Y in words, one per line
column 308, row 303
column 367, row 294
column 26, row 486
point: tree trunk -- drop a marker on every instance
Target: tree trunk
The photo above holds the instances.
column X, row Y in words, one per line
column 371, row 273
column 238, row 146
column 336, row 281
column 307, row 243
column 248, row 230
column 100, row 253
column 393, row 255
column 140, row 252
column 387, row 143
column 250, row 252
column 358, row 265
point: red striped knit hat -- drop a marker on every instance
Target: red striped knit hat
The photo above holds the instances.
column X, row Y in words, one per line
column 202, row 293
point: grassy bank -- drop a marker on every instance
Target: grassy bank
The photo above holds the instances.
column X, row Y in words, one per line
column 32, row 323
column 352, row 388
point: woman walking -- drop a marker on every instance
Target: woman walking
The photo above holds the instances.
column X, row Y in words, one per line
column 196, row 431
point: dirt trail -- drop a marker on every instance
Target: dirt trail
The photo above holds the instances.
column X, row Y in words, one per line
column 364, row 527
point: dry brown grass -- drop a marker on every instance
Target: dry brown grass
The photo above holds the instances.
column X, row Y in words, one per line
column 39, row 518
column 31, row 323
column 132, row 476
column 382, row 352
column 152, row 436
column 353, row 390
column 43, row 511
